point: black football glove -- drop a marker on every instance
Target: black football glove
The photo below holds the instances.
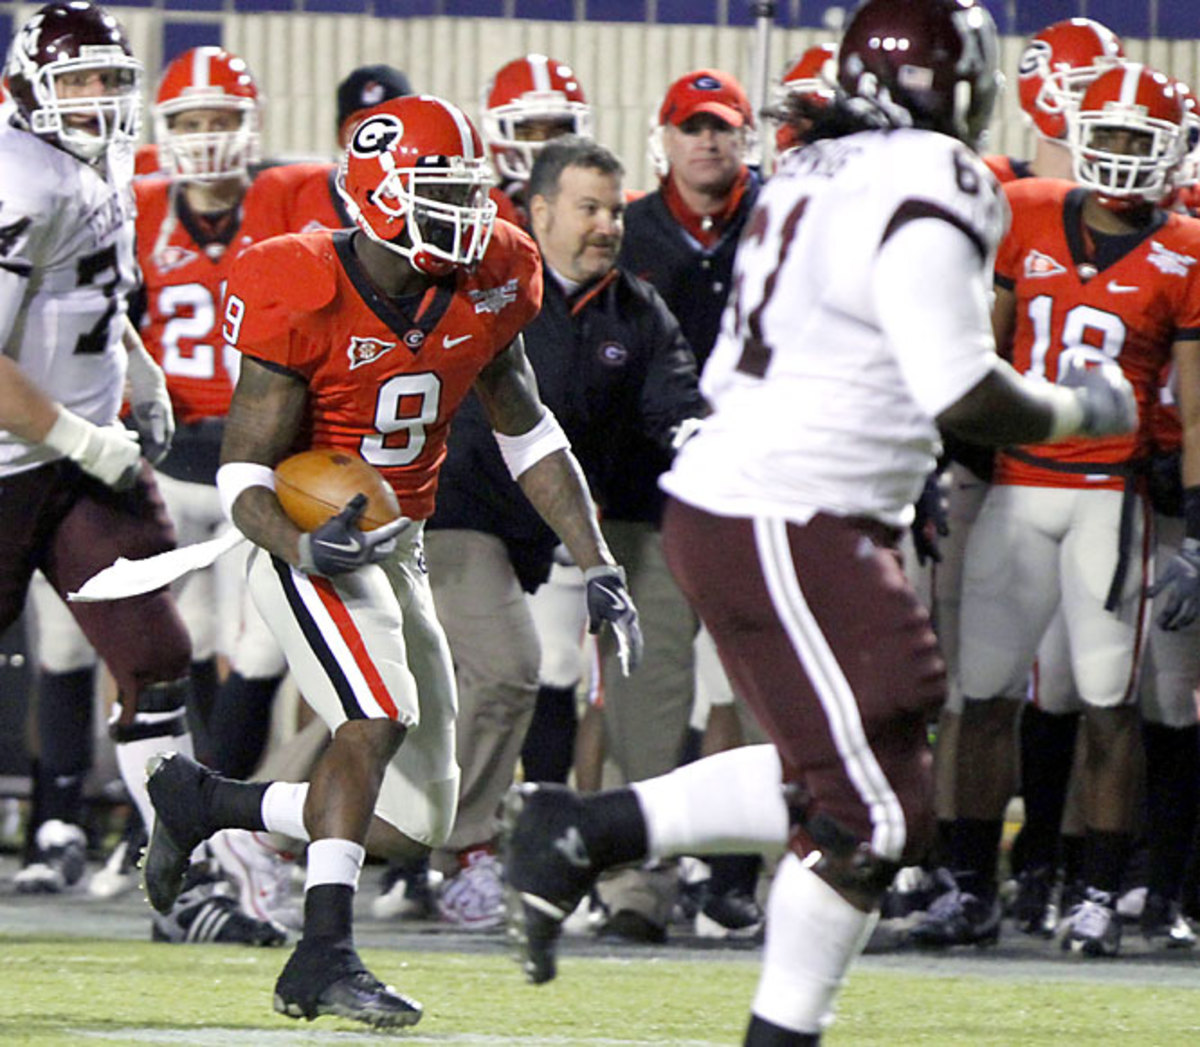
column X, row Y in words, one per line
column 608, row 601
column 931, row 521
column 338, row 546
column 1180, row 585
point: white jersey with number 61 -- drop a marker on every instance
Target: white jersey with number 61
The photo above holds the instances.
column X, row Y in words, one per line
column 858, row 313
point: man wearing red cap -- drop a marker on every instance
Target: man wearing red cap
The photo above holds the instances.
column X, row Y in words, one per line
column 680, row 238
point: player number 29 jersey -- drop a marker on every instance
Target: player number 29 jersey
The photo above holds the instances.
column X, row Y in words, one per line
column 814, row 406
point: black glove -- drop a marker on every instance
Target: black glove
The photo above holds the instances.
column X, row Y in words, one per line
column 1180, row 584
column 608, row 601
column 338, row 545
column 931, row 521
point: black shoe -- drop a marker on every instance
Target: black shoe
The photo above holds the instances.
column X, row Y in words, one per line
column 173, row 782
column 1164, row 925
column 325, row 978
column 958, row 918
column 734, row 915
column 547, row 871
column 206, row 911
column 628, row 925
column 1033, row 908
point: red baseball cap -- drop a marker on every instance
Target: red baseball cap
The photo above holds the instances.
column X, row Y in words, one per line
column 706, row 91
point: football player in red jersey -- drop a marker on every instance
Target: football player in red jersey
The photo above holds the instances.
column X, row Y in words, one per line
column 1088, row 274
column 300, row 198
column 192, row 225
column 74, row 492
column 812, row 76
column 369, row 340
column 1056, row 64
column 527, row 102
column 1055, row 68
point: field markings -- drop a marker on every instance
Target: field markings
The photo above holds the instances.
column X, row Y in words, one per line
column 216, row 1037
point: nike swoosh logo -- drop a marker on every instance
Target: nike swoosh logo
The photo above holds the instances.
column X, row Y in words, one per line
column 1116, row 288
column 342, row 547
column 619, row 603
column 450, row 343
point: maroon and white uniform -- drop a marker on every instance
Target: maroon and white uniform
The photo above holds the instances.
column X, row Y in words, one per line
column 66, row 265
column 836, row 354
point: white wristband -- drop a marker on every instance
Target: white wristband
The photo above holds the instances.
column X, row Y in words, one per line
column 69, row 435
column 235, row 477
column 520, row 452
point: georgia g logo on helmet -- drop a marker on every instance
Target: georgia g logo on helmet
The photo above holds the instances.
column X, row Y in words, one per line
column 376, row 135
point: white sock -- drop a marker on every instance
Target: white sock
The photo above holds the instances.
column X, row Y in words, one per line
column 728, row 803
column 283, row 809
column 813, row 934
column 132, row 758
column 334, row 861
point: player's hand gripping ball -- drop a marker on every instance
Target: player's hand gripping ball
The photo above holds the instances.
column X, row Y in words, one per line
column 314, row 486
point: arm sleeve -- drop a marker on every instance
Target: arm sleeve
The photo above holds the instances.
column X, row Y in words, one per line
column 672, row 389
column 930, row 293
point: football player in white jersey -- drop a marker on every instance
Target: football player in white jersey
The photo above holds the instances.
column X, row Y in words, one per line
column 75, row 492
column 857, row 328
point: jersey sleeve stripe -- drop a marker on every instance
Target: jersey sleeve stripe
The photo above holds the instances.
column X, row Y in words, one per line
column 1187, row 334
column 17, row 268
column 1005, row 283
column 911, row 210
column 278, row 368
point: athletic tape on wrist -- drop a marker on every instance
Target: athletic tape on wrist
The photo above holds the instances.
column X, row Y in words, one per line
column 235, row 477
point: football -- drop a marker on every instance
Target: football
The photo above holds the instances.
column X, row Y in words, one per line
column 315, row 485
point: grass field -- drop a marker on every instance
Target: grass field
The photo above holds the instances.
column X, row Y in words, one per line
column 59, row 992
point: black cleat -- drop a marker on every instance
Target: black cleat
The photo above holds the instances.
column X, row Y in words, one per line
column 173, row 782
column 958, row 918
column 547, row 871
column 1033, row 910
column 323, row 978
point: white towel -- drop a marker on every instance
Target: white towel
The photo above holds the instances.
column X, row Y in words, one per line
column 134, row 577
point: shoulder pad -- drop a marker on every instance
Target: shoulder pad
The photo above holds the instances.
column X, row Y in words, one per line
column 281, row 279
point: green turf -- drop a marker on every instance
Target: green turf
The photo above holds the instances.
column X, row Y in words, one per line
column 79, row 992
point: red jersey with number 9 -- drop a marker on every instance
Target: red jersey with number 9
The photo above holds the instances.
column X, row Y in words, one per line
column 384, row 377
column 1071, row 313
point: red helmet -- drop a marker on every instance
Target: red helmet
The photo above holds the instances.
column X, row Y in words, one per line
column 207, row 78
column 1056, row 67
column 924, row 63
column 531, row 90
column 416, row 180
column 71, row 38
column 1144, row 104
column 810, row 76
column 1189, row 171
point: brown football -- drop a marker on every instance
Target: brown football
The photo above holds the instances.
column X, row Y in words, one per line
column 313, row 486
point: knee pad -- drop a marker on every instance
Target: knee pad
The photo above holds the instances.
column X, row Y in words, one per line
column 157, row 711
column 846, row 863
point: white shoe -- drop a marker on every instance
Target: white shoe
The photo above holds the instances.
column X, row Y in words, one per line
column 261, row 874
column 60, row 859
column 1093, row 927
column 407, row 895
column 118, row 875
column 474, row 898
